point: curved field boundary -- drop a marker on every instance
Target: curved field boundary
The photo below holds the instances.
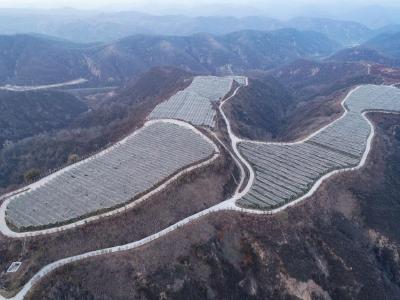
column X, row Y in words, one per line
column 5, row 230
column 304, row 139
column 147, row 160
column 194, row 104
column 326, row 176
column 315, row 185
column 234, row 144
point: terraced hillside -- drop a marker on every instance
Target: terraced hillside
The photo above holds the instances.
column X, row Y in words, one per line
column 112, row 178
column 284, row 172
column 194, row 104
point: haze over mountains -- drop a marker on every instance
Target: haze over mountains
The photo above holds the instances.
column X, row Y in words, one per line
column 90, row 26
column 110, row 48
column 34, row 60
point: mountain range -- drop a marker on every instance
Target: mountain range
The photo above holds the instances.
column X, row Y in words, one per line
column 388, row 44
column 33, row 60
column 81, row 26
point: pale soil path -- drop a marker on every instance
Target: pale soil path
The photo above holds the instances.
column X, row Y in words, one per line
column 25, row 88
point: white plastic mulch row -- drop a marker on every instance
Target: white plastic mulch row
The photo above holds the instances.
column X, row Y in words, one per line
column 285, row 172
column 194, row 104
column 129, row 169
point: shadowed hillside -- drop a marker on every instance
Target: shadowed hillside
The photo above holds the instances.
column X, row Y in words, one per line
column 33, row 60
column 24, row 114
column 259, row 110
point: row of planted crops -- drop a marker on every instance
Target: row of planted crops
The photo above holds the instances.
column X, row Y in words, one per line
column 112, row 178
column 129, row 169
column 195, row 103
column 285, row 172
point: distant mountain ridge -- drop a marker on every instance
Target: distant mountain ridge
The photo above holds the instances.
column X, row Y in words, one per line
column 388, row 44
column 105, row 27
column 364, row 54
column 344, row 32
column 29, row 60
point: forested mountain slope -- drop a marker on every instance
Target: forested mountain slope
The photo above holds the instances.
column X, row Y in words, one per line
column 24, row 114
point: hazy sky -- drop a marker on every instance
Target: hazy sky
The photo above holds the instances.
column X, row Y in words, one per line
column 273, row 8
column 141, row 3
